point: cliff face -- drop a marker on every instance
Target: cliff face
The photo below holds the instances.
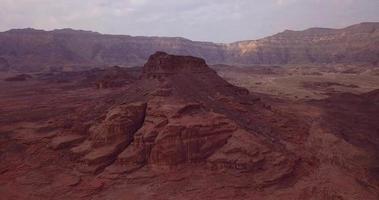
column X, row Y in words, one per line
column 37, row 50
column 354, row 44
column 30, row 49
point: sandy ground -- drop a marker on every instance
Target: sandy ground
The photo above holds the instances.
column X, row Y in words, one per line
column 313, row 83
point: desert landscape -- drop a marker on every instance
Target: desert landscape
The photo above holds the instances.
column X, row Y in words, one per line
column 175, row 125
column 292, row 116
column 299, row 82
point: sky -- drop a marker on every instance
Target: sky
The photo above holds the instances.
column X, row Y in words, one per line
column 200, row 20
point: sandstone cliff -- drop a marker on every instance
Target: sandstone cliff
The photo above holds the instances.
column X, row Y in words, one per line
column 354, row 44
column 29, row 49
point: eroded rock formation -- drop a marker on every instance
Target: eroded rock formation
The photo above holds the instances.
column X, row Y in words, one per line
column 186, row 116
column 78, row 49
column 180, row 131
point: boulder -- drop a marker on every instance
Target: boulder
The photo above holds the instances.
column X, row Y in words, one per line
column 64, row 141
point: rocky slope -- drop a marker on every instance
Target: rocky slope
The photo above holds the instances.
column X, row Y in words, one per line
column 35, row 50
column 354, row 44
column 180, row 131
column 166, row 128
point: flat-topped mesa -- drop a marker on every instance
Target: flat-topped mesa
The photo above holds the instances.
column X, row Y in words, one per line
column 161, row 63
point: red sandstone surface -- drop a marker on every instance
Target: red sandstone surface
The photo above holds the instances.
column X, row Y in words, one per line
column 176, row 130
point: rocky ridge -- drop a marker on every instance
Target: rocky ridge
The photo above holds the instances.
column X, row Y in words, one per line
column 67, row 49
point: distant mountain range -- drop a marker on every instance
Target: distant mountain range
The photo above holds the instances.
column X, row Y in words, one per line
column 36, row 50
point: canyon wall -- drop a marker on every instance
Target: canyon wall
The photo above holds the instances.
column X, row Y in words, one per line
column 37, row 50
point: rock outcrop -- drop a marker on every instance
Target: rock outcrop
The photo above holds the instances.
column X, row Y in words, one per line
column 163, row 63
column 109, row 136
column 169, row 137
column 120, row 123
column 185, row 116
column 180, row 131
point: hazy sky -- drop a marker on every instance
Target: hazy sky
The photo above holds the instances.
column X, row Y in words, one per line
column 205, row 20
